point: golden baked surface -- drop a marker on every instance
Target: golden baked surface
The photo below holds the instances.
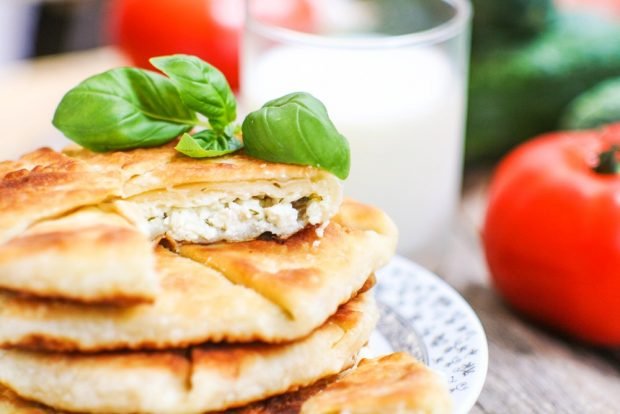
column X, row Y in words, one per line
column 88, row 255
column 45, row 184
column 192, row 380
column 396, row 383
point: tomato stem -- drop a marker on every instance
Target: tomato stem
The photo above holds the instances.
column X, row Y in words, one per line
column 608, row 161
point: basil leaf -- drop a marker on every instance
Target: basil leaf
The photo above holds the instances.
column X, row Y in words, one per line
column 208, row 143
column 121, row 109
column 296, row 129
column 203, row 88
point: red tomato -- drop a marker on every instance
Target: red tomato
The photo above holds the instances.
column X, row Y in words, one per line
column 552, row 234
column 209, row 29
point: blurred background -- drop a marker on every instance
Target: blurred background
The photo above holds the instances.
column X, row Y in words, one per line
column 536, row 65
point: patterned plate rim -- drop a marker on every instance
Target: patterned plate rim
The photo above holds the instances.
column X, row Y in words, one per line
column 447, row 334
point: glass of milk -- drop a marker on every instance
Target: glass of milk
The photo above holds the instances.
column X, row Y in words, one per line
column 393, row 76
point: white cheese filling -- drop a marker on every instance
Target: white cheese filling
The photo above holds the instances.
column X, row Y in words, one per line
column 230, row 220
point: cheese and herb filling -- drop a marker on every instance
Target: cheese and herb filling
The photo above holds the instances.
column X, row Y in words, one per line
column 198, row 214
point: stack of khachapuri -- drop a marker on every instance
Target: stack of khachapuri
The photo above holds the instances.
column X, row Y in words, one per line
column 144, row 281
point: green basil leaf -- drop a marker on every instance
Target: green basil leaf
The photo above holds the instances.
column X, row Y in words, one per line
column 208, row 143
column 121, row 109
column 203, row 88
column 296, row 129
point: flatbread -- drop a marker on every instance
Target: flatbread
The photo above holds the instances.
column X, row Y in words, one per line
column 194, row 380
column 89, row 255
column 161, row 193
column 266, row 290
column 395, row 383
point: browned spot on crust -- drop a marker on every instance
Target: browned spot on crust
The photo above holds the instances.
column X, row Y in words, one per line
column 22, row 406
column 170, row 360
column 100, row 234
column 58, row 344
column 369, row 284
column 347, row 317
column 43, row 171
column 39, row 342
column 173, row 361
column 287, row 403
column 169, row 244
column 39, row 298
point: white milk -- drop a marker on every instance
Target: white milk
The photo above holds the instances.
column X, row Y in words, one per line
column 402, row 112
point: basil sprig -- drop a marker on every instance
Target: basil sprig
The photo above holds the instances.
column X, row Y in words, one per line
column 129, row 108
column 296, row 129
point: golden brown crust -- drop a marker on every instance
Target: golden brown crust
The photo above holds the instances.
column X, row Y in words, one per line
column 11, row 403
column 396, row 383
column 147, row 169
column 39, row 342
column 119, row 299
column 209, row 377
column 287, row 403
column 89, row 256
column 46, row 184
column 65, row 245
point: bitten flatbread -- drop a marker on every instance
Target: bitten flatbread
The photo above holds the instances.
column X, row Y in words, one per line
column 161, row 194
column 267, row 290
column 158, row 182
column 194, row 380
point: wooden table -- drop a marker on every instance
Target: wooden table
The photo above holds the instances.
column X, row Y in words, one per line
column 530, row 369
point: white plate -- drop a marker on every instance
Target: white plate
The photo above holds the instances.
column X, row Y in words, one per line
column 424, row 316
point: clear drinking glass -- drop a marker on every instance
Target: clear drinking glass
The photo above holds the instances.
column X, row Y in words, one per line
column 393, row 76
